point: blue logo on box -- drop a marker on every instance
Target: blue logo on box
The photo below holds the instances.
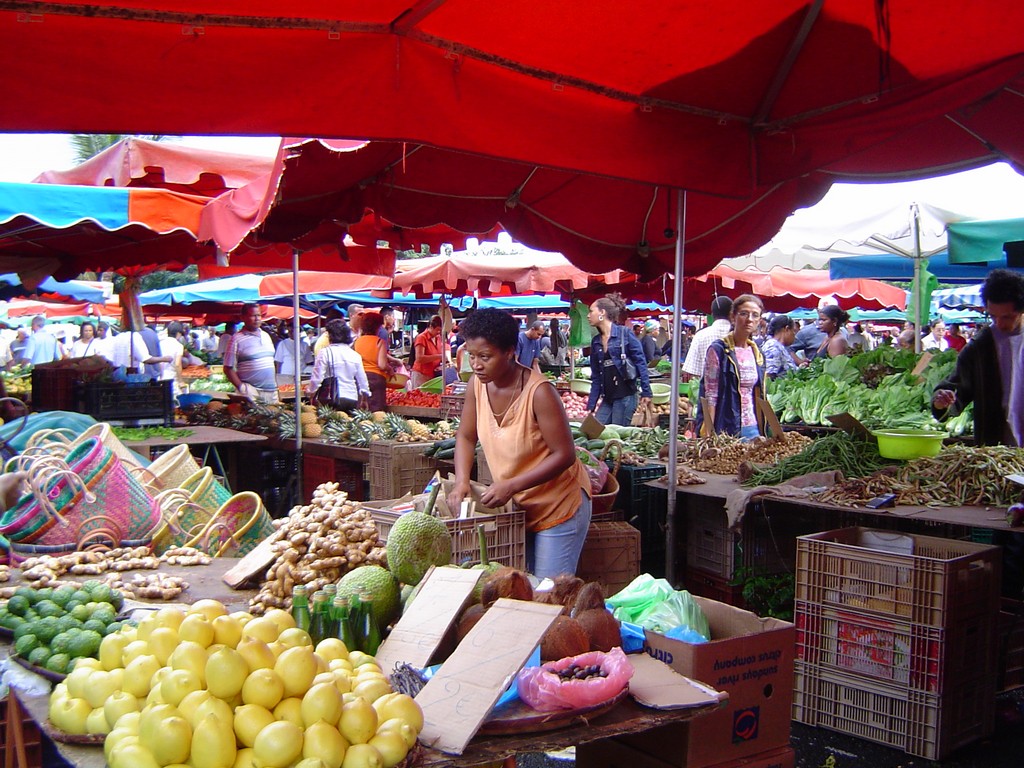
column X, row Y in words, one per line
column 745, row 723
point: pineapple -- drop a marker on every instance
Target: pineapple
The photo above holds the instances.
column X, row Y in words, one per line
column 418, row 429
column 396, row 425
column 307, row 417
column 324, row 412
column 380, row 416
column 311, row 429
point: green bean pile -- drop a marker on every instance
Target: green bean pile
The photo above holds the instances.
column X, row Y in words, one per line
column 959, row 476
column 852, row 456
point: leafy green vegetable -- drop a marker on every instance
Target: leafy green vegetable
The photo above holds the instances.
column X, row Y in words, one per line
column 135, row 434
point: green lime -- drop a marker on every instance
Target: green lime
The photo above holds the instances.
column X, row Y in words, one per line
column 85, row 644
column 44, row 594
column 10, row 621
column 114, row 626
column 81, row 596
column 61, row 642
column 116, row 600
column 18, row 605
column 39, row 656
column 25, row 644
column 48, row 608
column 46, row 629
column 81, row 612
column 92, row 584
column 26, row 592
column 27, row 628
column 105, row 615
column 100, row 593
column 95, row 625
column 63, row 595
column 58, row 662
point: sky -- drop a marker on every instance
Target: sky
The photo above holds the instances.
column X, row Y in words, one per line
column 993, row 192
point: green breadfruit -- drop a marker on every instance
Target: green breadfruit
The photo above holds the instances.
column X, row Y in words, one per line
column 416, row 542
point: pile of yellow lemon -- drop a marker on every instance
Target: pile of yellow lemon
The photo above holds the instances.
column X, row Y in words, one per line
column 211, row 689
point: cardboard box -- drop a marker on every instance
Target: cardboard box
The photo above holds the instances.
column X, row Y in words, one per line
column 749, row 657
column 613, row 753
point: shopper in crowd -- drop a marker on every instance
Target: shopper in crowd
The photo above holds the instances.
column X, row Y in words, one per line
column 693, row 364
column 428, row 348
column 860, row 339
column 831, row 320
column 734, row 374
column 17, row 345
column 387, row 328
column 249, row 359
column 373, row 351
column 616, row 363
column 809, row 337
column 225, row 339
column 648, row 341
column 989, row 372
column 775, row 349
column 554, row 347
column 338, row 359
column 935, row 339
column 286, row 357
column 128, row 350
column 528, row 345
column 86, row 343
column 955, row 338
column 519, row 420
column 172, row 346
column 104, row 340
column 41, row 346
column 905, row 340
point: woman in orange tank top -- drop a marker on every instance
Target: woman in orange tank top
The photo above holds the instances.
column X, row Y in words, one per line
column 374, row 352
column 519, row 420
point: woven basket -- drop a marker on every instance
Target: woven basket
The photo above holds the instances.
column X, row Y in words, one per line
column 239, row 525
column 205, row 490
column 174, row 468
column 181, row 520
column 111, row 441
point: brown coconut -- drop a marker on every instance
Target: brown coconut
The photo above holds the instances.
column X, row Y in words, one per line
column 509, row 583
column 468, row 620
column 603, row 631
column 590, row 596
column 564, row 638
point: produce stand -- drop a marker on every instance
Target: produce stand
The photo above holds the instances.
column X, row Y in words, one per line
column 414, row 412
column 205, row 582
column 220, row 445
column 324, row 462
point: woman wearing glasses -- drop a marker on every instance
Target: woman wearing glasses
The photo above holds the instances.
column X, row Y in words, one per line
column 734, row 374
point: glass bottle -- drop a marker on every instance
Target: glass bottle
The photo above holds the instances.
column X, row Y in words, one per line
column 371, row 630
column 344, row 624
column 300, row 608
column 320, row 618
column 331, row 590
column 355, row 618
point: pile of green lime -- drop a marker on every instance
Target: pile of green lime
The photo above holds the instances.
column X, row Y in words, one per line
column 54, row 627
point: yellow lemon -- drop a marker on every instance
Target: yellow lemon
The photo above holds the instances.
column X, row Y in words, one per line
column 321, row 702
column 250, row 719
column 227, row 630
column 362, row 756
column 282, row 619
column 289, row 709
column 197, row 628
column 263, row 687
column 170, row 616
column 358, row 722
column 278, row 745
column 261, row 628
column 331, row 649
column 211, row 609
column 226, row 671
column 213, row 743
column 297, row 668
column 322, row 741
column 257, row 654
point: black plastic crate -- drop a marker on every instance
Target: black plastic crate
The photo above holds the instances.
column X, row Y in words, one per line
column 633, row 489
column 650, row 520
column 277, row 465
column 130, row 403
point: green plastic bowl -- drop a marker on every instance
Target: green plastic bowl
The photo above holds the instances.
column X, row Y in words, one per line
column 660, row 393
column 580, row 386
column 433, row 386
column 909, row 443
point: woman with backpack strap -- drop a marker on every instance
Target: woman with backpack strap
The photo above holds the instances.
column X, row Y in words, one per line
column 617, row 361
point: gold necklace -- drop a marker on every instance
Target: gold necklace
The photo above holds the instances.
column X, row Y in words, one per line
column 498, row 417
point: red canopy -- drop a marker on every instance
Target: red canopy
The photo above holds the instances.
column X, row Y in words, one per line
column 136, row 162
column 758, row 106
column 806, row 287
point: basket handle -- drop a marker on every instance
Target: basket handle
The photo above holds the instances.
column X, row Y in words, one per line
column 44, row 475
column 44, row 436
column 153, row 481
column 608, row 446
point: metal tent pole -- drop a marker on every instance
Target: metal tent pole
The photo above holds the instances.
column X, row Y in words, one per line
column 917, row 288
column 297, row 346
column 677, row 345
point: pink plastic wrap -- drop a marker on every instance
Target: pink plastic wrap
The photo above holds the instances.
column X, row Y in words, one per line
column 597, row 470
column 545, row 691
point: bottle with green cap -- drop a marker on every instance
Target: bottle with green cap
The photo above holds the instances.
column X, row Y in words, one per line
column 371, row 629
column 321, row 617
column 343, row 622
column 300, row 608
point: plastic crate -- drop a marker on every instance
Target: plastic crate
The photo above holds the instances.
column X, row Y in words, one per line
column 713, row 587
column 936, row 583
column 326, row 469
column 126, row 403
column 505, row 535
column 919, row 723
column 30, row 732
column 895, row 652
column 651, row 522
column 451, row 406
column 277, row 465
column 634, row 493
column 53, row 389
column 611, row 555
column 399, row 468
column 1010, row 647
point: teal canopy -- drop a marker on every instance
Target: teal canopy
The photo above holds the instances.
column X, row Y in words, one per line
column 971, row 242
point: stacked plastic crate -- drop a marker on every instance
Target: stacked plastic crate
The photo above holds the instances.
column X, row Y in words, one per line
column 895, row 638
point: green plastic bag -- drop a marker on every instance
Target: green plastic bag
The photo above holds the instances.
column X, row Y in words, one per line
column 653, row 604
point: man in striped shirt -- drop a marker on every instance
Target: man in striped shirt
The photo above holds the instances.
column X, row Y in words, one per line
column 249, row 359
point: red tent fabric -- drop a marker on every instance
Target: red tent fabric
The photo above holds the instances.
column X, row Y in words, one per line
column 137, row 162
column 756, row 106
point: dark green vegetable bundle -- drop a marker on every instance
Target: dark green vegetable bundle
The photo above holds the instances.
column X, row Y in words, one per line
column 853, row 456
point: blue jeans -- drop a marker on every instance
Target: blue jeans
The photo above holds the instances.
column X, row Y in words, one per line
column 749, row 433
column 617, row 411
column 557, row 550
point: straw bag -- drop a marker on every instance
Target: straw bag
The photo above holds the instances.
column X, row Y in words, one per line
column 181, row 520
column 72, row 499
column 111, row 441
column 174, row 468
column 204, row 489
column 237, row 527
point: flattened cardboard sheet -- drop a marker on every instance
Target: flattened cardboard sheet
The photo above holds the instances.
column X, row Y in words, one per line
column 423, row 625
column 655, row 684
column 462, row 694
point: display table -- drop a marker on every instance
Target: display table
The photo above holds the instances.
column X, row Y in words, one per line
column 221, row 449
column 205, row 582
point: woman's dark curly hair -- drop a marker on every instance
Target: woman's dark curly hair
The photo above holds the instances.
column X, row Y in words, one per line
column 839, row 316
column 338, row 331
column 495, row 326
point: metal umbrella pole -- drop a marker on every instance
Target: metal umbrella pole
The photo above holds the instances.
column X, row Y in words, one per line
column 296, row 329
column 677, row 346
column 917, row 288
